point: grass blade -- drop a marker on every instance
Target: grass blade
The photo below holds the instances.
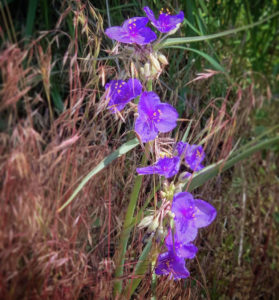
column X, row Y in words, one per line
column 32, row 6
column 104, row 163
column 176, row 41
column 211, row 171
column 125, row 233
column 140, row 270
column 210, row 59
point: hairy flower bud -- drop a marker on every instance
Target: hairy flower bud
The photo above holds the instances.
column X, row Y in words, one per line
column 161, row 233
column 145, row 222
column 147, row 69
column 154, row 62
column 142, row 71
column 153, row 225
column 162, row 58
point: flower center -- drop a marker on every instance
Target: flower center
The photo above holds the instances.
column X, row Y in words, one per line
column 165, row 154
column 165, row 11
column 190, row 212
column 133, row 30
column 118, row 89
column 156, row 115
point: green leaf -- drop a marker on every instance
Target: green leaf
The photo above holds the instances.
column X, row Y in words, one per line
column 128, row 146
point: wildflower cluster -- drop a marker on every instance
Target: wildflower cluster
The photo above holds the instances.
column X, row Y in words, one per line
column 190, row 214
column 152, row 118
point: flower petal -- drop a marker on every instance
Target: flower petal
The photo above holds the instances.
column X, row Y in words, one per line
column 119, row 34
column 205, row 213
column 169, row 263
column 185, row 230
column 138, row 21
column 194, row 156
column 168, row 166
column 166, row 22
column 181, row 148
column 149, row 14
column 181, row 201
column 147, row 170
column 121, row 93
column 115, row 107
column 168, row 117
column 187, row 251
column 147, row 103
column 135, row 88
column 180, row 246
column 145, row 36
column 145, row 129
column 179, row 18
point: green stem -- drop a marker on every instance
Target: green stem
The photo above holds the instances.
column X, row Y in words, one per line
column 149, row 85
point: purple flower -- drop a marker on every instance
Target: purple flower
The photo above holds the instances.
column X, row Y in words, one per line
column 154, row 117
column 133, row 31
column 170, row 263
column 165, row 22
column 121, row 92
column 193, row 155
column 167, row 166
column 179, row 246
column 190, row 214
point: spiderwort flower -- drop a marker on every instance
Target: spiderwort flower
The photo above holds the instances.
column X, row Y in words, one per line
column 121, row 92
column 170, row 263
column 193, row 155
column 154, row 117
column 190, row 214
column 166, row 166
column 133, row 31
column 165, row 22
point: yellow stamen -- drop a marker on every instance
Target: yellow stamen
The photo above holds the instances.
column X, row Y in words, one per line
column 165, row 154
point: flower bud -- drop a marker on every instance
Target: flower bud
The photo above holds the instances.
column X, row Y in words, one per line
column 179, row 188
column 142, row 71
column 163, row 194
column 184, row 176
column 147, row 69
column 171, row 214
column 153, row 225
column 154, row 62
column 145, row 222
column 154, row 71
column 162, row 58
column 161, row 233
